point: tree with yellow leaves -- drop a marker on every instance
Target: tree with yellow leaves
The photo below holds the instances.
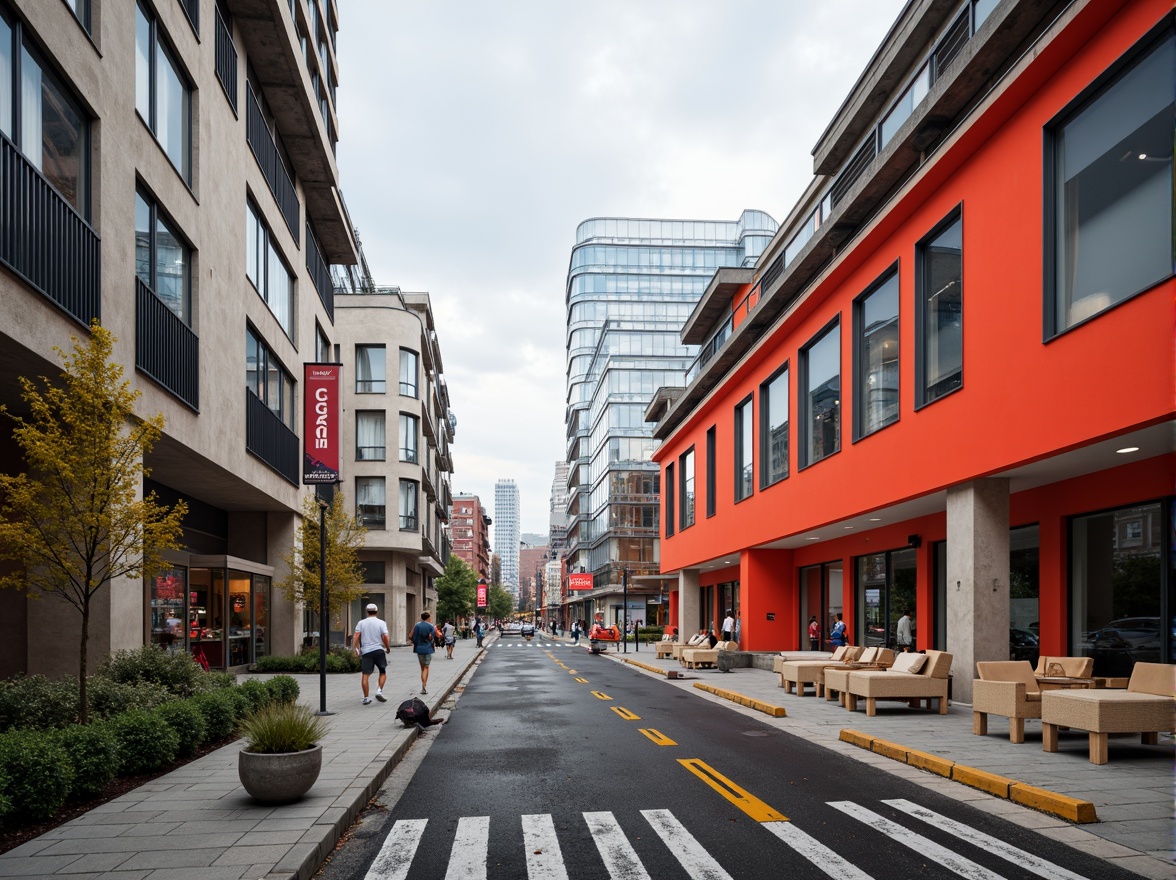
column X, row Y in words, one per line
column 74, row 519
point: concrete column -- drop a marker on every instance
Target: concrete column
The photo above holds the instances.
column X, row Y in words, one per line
column 977, row 578
column 687, row 603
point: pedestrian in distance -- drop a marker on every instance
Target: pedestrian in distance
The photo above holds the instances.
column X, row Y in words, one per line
column 449, row 637
column 728, row 627
column 478, row 631
column 370, row 642
column 837, row 636
column 575, row 632
column 423, row 637
column 904, row 633
column 814, row 631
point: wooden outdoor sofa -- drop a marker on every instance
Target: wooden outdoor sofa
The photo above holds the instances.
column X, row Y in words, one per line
column 928, row 683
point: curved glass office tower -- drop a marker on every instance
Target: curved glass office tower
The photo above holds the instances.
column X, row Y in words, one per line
column 631, row 286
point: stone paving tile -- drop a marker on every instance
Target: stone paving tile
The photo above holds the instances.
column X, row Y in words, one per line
column 144, row 843
column 219, row 872
column 249, row 855
column 122, row 875
column 95, row 863
column 259, row 838
column 150, row 830
column 27, row 867
column 1154, row 869
column 175, row 858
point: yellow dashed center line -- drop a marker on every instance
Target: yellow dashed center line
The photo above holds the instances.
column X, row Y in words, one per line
column 601, row 696
column 625, row 713
column 744, row 800
column 657, row 736
column 582, row 680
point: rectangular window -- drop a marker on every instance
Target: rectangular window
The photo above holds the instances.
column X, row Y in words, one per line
column 42, row 117
column 370, row 439
column 686, row 475
column 710, row 471
column 267, row 378
column 408, row 373
column 408, row 506
column 1109, row 190
column 939, row 311
column 370, row 503
column 774, row 428
column 322, row 345
column 671, row 488
column 820, row 380
column 162, row 94
column 162, row 259
column 875, row 330
column 370, row 369
column 267, row 270
column 744, row 450
column 408, row 437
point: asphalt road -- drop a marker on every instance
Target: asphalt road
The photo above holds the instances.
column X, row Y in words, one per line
column 558, row 764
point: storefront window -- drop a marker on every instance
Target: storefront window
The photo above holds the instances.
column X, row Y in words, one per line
column 167, row 609
column 1024, row 612
column 240, row 628
column 206, row 616
column 886, row 588
column 820, row 597
column 261, row 607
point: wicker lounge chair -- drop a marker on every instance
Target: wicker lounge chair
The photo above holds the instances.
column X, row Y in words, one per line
column 665, row 647
column 929, row 683
column 679, row 647
column 882, row 658
column 802, row 672
column 1071, row 667
column 694, row 658
column 1008, row 688
column 784, row 656
column 1146, row 707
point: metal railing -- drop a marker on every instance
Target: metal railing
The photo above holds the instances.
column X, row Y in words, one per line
column 320, row 274
column 265, row 151
column 226, row 59
column 269, row 439
column 166, row 349
column 45, row 241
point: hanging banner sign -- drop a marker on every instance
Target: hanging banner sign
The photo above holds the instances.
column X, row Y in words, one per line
column 579, row 581
column 320, row 428
column 482, row 595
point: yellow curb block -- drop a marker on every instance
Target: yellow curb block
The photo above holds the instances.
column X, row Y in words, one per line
column 758, row 705
column 644, row 666
column 1080, row 812
column 1068, row 808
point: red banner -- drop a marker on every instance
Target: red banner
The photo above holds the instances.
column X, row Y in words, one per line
column 320, row 430
column 481, row 595
column 579, row 581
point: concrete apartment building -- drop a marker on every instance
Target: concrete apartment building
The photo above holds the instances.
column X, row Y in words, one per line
column 506, row 533
column 469, row 531
column 394, row 382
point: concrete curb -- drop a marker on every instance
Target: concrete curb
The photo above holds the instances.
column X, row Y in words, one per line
column 749, row 702
column 657, row 670
column 1071, row 809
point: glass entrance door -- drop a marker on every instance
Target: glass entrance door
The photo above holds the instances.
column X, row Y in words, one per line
column 886, row 588
column 820, row 597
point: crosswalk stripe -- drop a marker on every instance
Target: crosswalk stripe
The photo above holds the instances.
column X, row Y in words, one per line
column 816, row 852
column 994, row 845
column 544, row 860
column 467, row 858
column 689, row 852
column 620, row 859
column 920, row 844
column 395, row 856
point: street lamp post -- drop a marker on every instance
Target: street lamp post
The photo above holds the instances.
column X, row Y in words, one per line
column 324, row 493
column 625, row 612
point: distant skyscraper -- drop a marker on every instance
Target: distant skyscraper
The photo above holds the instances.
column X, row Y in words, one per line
column 631, row 286
column 506, row 531
column 557, row 538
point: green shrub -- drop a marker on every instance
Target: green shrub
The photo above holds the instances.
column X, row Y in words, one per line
column 146, row 742
column 238, row 701
column 255, row 692
column 283, row 689
column 35, row 702
column 282, row 727
column 178, row 673
column 220, row 714
column 5, row 803
column 109, row 698
column 39, row 773
column 216, row 681
column 187, row 721
column 93, row 754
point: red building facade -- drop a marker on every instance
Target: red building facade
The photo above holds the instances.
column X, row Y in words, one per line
column 947, row 384
column 470, row 531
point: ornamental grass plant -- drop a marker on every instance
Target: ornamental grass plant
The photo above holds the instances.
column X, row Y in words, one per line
column 282, row 727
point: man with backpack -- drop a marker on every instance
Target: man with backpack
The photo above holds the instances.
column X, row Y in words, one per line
column 424, row 635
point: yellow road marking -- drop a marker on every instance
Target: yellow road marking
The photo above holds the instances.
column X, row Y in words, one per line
column 582, row 680
column 744, row 800
column 625, row 713
column 570, row 671
column 657, row 736
column 601, row 696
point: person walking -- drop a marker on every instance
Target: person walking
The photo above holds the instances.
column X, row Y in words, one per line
column 478, row 631
column 371, row 644
column 814, row 631
column 838, row 636
column 904, row 632
column 575, row 632
column 423, row 635
column 728, row 627
column 449, row 637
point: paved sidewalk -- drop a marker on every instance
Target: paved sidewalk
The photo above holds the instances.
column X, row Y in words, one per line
column 197, row 822
column 1133, row 793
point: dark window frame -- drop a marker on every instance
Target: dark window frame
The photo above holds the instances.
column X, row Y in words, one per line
column 859, row 365
column 266, row 244
column 710, row 471
column 921, row 399
column 687, row 515
column 158, row 216
column 266, row 356
column 671, row 511
column 765, row 440
column 737, row 451
column 414, row 519
column 159, row 39
column 802, row 403
column 416, row 382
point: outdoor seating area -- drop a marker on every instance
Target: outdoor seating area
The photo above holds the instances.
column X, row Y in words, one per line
column 912, row 679
column 1008, row 688
column 798, row 673
column 696, row 658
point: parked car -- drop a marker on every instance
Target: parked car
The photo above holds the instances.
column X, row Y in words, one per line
column 512, row 629
column 527, row 630
column 1122, row 643
column 1023, row 645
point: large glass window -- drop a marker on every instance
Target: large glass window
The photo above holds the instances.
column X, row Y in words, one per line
column 1111, row 191
column 876, row 333
column 408, row 437
column 370, row 503
column 370, row 441
column 42, row 118
column 820, row 364
column 671, row 506
column 686, row 476
column 370, row 369
column 408, row 373
column 162, row 95
column 1116, row 586
column 408, row 506
column 744, row 450
column 266, row 269
column 710, row 471
column 162, row 260
column 267, row 378
column 1024, row 591
column 820, row 597
column 939, row 301
column 168, row 589
column 774, row 428
column 885, row 589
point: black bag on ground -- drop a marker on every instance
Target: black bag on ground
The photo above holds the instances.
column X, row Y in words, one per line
column 414, row 711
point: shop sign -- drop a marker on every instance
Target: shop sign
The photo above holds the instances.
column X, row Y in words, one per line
column 579, row 581
column 482, row 596
column 320, row 441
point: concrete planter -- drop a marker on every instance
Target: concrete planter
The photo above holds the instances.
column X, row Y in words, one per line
column 279, row 778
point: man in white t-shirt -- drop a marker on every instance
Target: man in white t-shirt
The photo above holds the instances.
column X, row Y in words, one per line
column 371, row 644
column 728, row 627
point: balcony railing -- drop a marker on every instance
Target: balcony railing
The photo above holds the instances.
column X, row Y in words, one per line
column 226, row 58
column 45, row 241
column 166, row 349
column 269, row 439
column 265, row 151
column 320, row 274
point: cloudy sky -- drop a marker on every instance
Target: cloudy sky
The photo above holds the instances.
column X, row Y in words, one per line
column 475, row 136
